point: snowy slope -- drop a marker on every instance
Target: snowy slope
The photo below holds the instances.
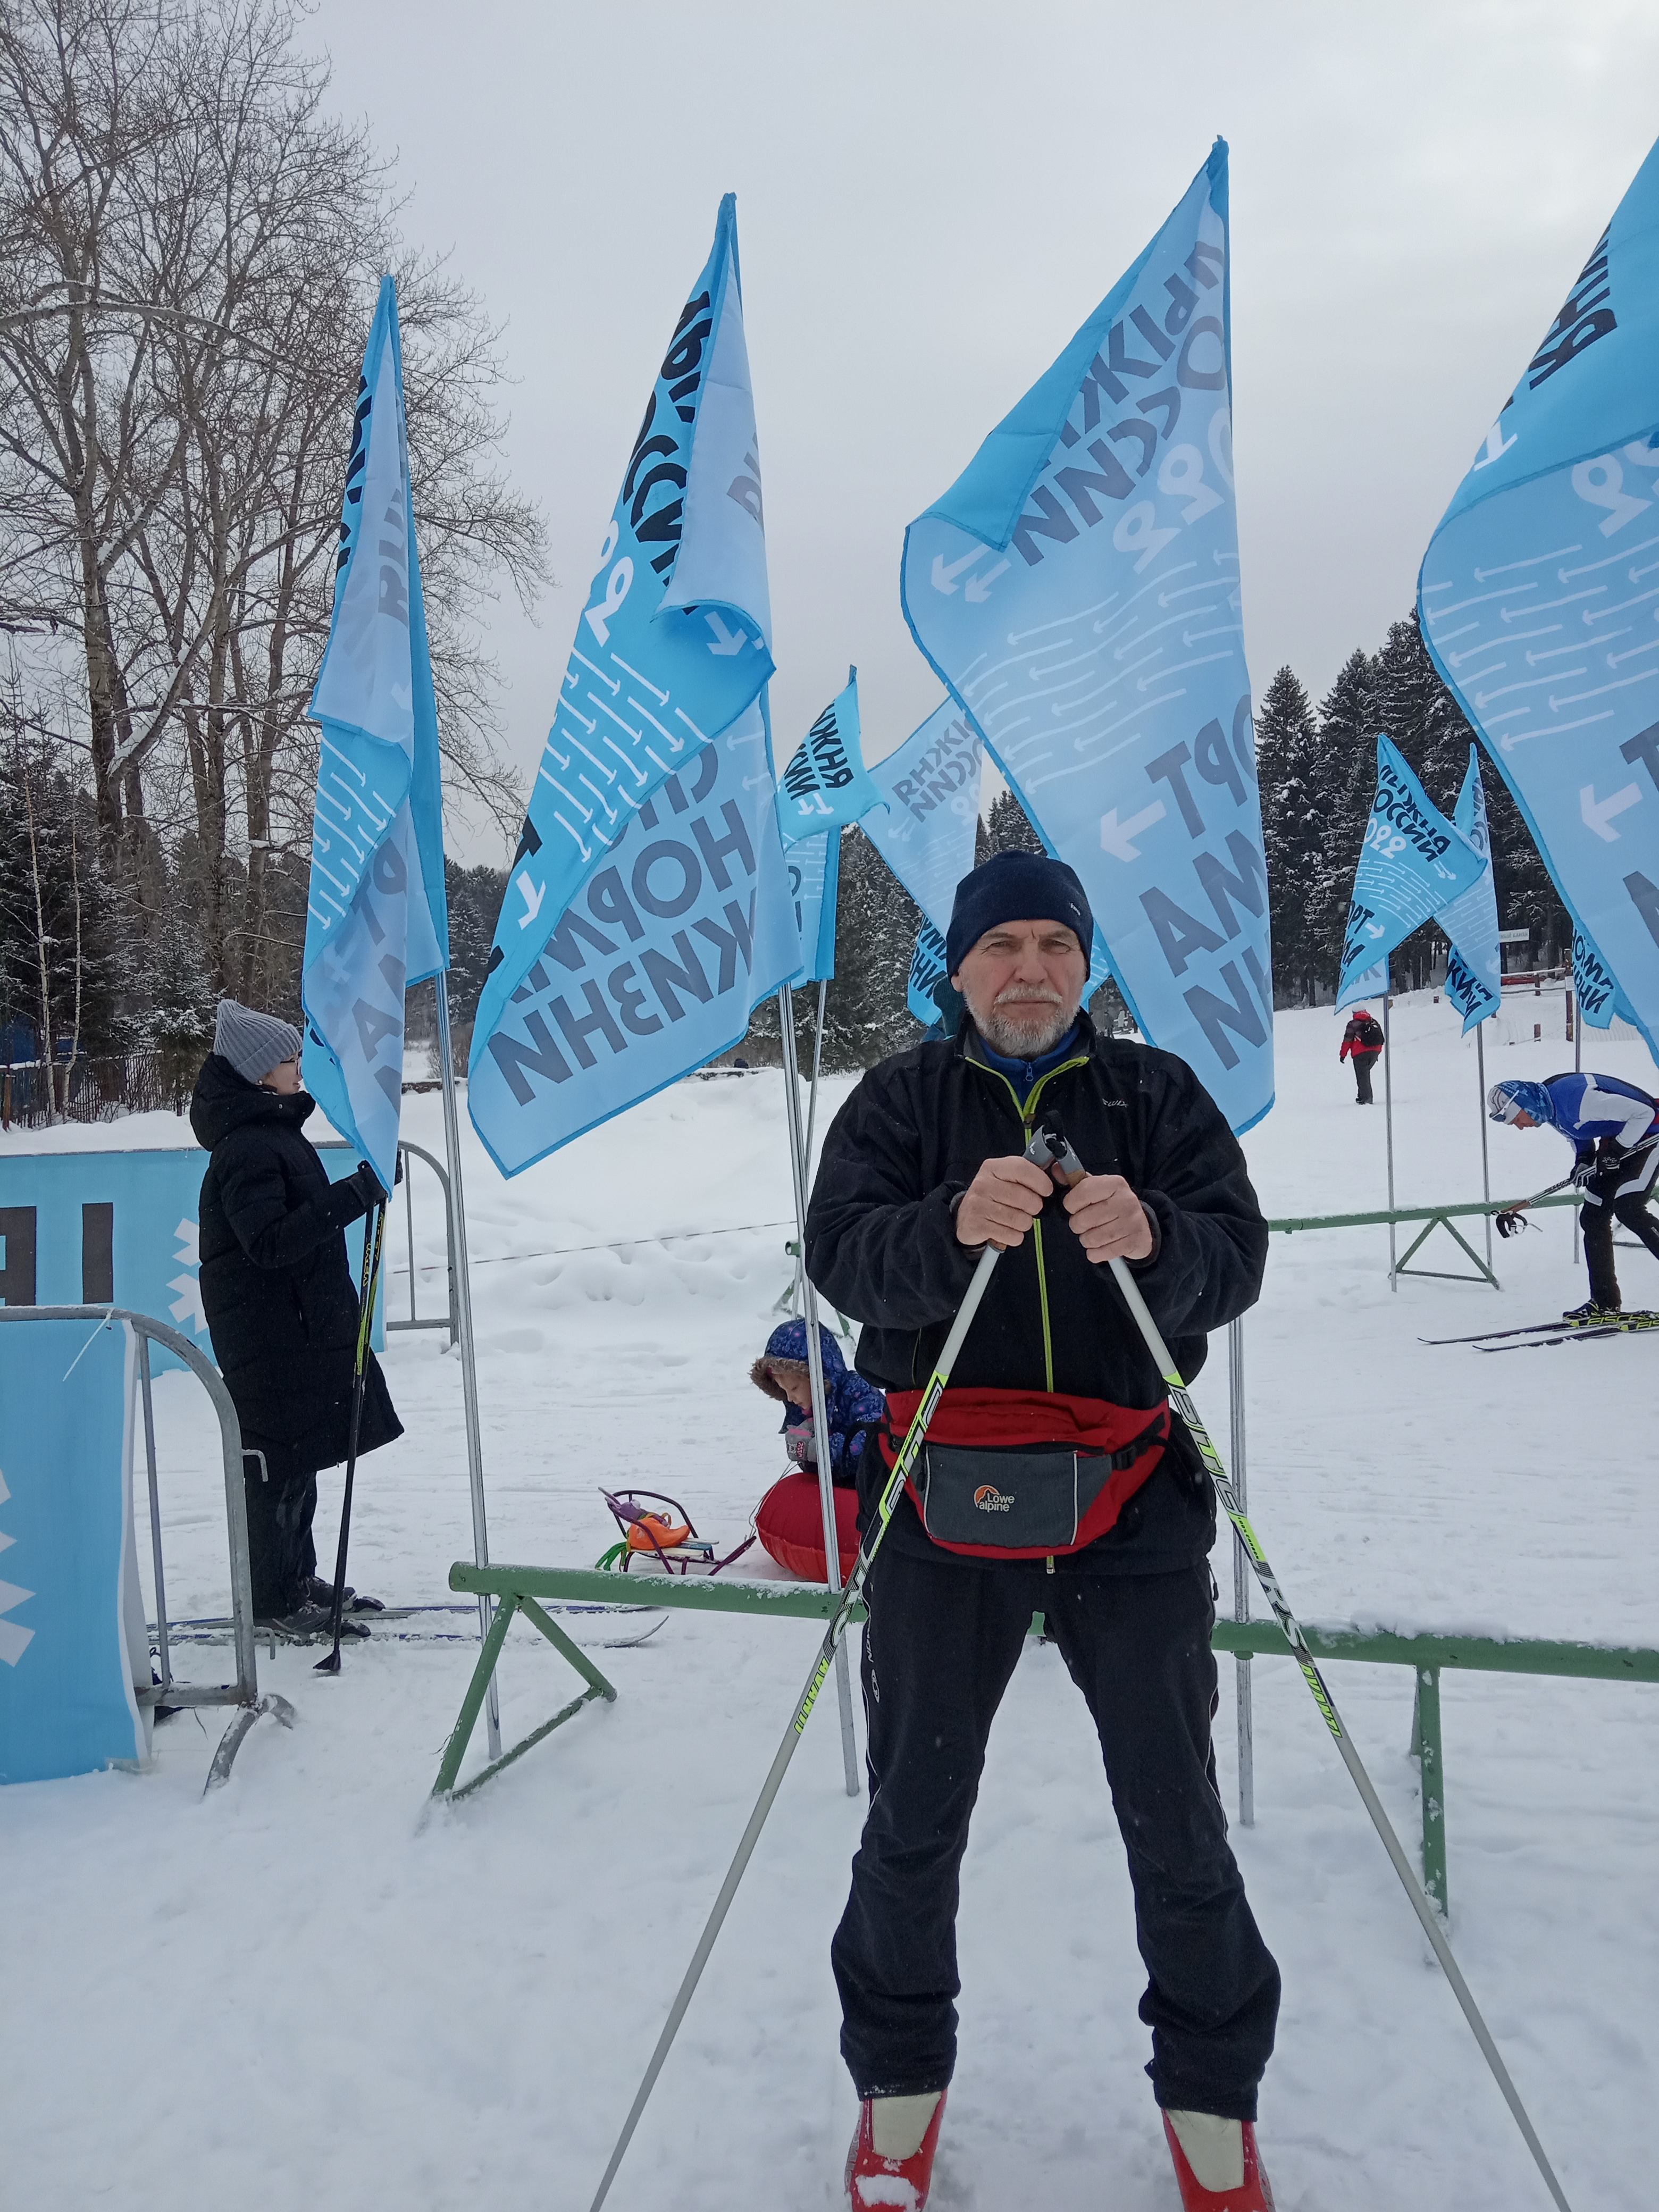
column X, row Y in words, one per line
column 298, row 1991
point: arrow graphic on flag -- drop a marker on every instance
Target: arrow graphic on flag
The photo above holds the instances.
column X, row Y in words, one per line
column 1598, row 814
column 944, row 580
column 1115, row 836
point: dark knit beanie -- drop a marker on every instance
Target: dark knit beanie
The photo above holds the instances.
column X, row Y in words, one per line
column 1016, row 887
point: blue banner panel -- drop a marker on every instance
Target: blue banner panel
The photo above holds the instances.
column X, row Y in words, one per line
column 107, row 1228
column 66, row 1700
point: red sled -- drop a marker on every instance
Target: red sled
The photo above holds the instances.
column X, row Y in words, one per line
column 789, row 1522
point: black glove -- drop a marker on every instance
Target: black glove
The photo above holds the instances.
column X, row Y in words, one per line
column 368, row 1186
column 1582, row 1170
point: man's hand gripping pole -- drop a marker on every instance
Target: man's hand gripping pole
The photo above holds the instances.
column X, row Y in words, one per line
column 1062, row 1162
column 908, row 1452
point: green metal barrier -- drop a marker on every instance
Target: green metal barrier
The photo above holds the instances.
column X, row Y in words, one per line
column 518, row 1587
column 1433, row 1218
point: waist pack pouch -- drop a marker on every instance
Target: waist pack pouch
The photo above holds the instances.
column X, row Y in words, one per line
column 1015, row 1492
column 1019, row 1501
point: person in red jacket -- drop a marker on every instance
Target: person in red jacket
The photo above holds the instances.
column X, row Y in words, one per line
column 1363, row 1041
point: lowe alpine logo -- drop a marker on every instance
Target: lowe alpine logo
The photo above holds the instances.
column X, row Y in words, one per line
column 989, row 1499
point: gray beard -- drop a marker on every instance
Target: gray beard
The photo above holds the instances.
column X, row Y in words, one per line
column 1024, row 1032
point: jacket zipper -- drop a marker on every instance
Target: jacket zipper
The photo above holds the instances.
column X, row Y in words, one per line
column 1027, row 1117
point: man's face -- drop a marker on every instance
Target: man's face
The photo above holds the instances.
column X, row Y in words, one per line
column 1523, row 1120
column 1024, row 984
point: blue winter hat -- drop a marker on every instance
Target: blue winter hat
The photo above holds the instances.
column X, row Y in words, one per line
column 1505, row 1100
column 1016, row 887
column 788, row 1341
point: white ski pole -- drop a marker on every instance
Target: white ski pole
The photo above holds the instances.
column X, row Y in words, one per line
column 908, row 1452
column 1065, row 1165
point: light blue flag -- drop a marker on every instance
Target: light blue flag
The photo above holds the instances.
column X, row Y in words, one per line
column 655, row 965
column 1599, row 999
column 672, row 649
column 1539, row 598
column 826, row 784
column 1413, row 864
column 926, row 819
column 1474, row 970
column 376, row 918
column 1078, row 590
column 814, row 883
column 926, row 971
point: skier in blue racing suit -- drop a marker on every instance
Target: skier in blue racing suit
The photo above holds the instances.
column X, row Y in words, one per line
column 1613, row 1129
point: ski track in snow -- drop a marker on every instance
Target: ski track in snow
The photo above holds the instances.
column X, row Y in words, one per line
column 301, row 1988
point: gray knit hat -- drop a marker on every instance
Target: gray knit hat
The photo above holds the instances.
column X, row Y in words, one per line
column 253, row 1043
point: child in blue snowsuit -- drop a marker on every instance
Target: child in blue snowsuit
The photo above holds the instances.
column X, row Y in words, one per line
column 1613, row 1129
column 851, row 1403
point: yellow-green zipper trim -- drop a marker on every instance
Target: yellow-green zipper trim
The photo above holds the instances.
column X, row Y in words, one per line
column 1027, row 1116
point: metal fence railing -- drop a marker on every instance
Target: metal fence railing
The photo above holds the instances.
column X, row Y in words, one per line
column 244, row 1692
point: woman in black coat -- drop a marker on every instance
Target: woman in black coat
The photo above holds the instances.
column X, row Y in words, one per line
column 280, row 1302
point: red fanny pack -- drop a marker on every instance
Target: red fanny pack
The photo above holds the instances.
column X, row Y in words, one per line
column 1025, row 1474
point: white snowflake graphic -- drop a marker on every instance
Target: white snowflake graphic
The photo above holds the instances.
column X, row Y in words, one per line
column 187, row 1306
column 14, row 1641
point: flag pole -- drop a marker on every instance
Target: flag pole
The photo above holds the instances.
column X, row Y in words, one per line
column 815, row 1369
column 1388, row 1111
column 1486, row 1169
column 461, row 1288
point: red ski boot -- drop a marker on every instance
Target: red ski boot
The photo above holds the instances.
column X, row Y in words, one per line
column 876, row 2180
column 1225, row 2151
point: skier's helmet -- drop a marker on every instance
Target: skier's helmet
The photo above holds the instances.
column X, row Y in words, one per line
column 1505, row 1101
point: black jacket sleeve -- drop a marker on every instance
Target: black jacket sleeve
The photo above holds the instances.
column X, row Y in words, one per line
column 880, row 1246
column 273, row 1233
column 1213, row 1239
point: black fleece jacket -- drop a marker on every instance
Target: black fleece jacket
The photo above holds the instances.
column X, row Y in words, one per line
column 881, row 1245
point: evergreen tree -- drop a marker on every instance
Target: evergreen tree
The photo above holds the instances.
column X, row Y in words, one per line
column 1287, row 754
column 1344, row 786
column 178, row 1023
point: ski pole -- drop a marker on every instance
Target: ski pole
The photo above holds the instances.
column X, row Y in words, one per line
column 908, row 1452
column 368, row 1292
column 1068, row 1167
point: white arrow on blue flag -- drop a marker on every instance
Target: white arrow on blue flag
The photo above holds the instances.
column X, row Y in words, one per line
column 1413, row 864
column 1077, row 588
column 1539, row 598
column 1475, row 970
column 672, row 649
column 377, row 919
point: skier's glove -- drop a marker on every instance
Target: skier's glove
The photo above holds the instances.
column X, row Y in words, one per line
column 368, row 1185
column 1582, row 1172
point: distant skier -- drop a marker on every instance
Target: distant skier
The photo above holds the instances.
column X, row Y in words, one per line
column 1362, row 1041
column 1613, row 1129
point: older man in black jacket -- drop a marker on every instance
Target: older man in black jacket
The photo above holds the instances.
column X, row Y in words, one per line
column 1053, row 1482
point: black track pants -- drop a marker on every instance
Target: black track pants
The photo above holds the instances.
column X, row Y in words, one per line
column 281, row 1553
column 1362, row 1064
column 940, row 1645
column 1617, row 1193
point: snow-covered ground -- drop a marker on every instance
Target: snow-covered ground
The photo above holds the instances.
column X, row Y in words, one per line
column 297, row 1991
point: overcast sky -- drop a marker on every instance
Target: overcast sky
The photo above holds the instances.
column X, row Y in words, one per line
column 932, row 199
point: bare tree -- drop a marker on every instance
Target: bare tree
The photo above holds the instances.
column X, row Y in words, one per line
column 190, row 249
